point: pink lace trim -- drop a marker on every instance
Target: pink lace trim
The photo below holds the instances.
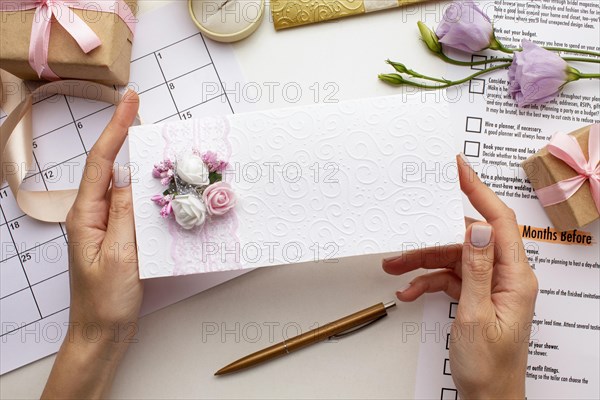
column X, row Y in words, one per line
column 215, row 245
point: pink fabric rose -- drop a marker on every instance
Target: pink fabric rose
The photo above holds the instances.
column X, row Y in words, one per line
column 219, row 198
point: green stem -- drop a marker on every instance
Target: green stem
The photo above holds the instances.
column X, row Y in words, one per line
column 471, row 63
column 496, row 45
column 429, row 78
column 589, row 76
column 453, row 83
column 579, row 59
column 575, row 51
column 555, row 49
column 495, row 60
column 401, row 68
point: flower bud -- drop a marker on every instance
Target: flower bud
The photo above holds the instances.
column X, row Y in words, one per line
column 393, row 79
column 573, row 74
column 398, row 66
column 430, row 38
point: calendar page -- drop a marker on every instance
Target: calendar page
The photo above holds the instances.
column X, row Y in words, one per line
column 179, row 75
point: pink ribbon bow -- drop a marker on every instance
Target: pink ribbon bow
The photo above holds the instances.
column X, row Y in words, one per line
column 566, row 148
column 62, row 11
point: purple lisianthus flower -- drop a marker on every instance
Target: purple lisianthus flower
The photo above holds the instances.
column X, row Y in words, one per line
column 537, row 75
column 465, row 27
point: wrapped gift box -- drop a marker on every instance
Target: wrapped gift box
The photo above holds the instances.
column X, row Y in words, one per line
column 544, row 169
column 108, row 63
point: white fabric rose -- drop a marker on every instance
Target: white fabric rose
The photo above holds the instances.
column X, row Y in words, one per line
column 192, row 170
column 189, row 211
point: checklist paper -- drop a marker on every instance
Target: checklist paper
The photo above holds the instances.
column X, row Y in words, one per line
column 179, row 75
column 564, row 349
column 316, row 183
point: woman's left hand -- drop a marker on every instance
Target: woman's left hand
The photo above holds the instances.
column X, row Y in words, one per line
column 106, row 292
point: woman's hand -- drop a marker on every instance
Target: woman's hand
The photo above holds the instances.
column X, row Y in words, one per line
column 496, row 288
column 106, row 292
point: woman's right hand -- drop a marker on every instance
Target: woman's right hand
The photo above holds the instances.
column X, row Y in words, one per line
column 496, row 288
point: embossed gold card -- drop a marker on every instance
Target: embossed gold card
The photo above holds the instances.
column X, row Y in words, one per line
column 314, row 183
column 290, row 13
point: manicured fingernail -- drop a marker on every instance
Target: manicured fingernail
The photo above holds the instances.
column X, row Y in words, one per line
column 126, row 95
column 464, row 158
column 404, row 288
column 390, row 259
column 481, row 235
column 121, row 176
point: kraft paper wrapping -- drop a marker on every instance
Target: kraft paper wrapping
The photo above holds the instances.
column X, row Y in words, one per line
column 543, row 169
column 108, row 64
column 291, row 13
column 16, row 141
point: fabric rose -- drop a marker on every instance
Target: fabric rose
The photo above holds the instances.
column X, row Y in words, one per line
column 192, row 170
column 219, row 198
column 189, row 211
column 537, row 75
column 465, row 27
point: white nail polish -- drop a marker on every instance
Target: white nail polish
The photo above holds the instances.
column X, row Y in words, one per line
column 121, row 176
column 464, row 158
column 126, row 94
column 390, row 259
column 481, row 235
column 404, row 288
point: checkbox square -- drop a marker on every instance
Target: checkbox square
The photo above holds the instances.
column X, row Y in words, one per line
column 449, row 394
column 471, row 148
column 477, row 86
column 448, row 341
column 447, row 367
column 474, row 124
column 452, row 312
column 476, row 57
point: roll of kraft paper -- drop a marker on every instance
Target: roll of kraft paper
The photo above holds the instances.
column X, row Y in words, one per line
column 291, row 13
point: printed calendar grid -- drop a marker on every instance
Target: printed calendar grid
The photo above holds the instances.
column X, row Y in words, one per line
column 71, row 126
column 172, row 76
column 22, row 251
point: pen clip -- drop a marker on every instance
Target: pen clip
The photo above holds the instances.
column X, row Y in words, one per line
column 356, row 328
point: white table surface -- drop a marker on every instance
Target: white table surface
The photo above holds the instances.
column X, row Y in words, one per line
column 176, row 356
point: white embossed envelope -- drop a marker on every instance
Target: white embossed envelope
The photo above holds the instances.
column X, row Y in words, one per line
column 311, row 183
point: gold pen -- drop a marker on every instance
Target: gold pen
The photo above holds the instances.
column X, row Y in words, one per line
column 340, row 327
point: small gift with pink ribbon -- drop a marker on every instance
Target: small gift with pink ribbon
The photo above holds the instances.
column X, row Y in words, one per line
column 566, row 177
column 67, row 39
